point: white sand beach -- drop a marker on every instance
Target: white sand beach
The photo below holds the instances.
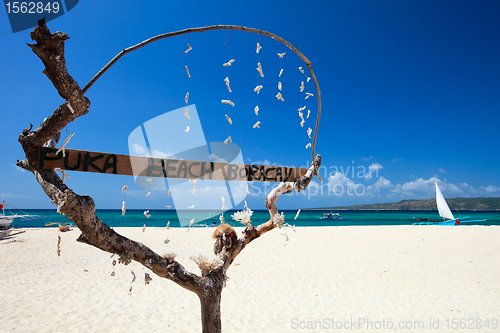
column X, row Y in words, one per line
column 348, row 277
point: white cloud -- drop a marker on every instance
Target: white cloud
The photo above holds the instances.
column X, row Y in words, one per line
column 490, row 190
column 138, row 149
column 160, row 154
column 442, row 170
column 419, row 185
column 143, row 151
column 382, row 183
column 217, row 159
column 340, row 185
column 424, row 189
column 373, row 168
column 339, row 179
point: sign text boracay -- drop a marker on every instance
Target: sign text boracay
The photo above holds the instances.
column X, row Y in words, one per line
column 89, row 161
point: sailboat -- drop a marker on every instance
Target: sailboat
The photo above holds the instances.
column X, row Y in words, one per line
column 444, row 212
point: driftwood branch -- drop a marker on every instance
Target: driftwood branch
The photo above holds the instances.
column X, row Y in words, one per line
column 49, row 48
column 251, row 232
column 81, row 209
column 219, row 27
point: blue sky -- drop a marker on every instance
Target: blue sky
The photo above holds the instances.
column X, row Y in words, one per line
column 410, row 93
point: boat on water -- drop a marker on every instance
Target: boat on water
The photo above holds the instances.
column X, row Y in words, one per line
column 7, row 220
column 331, row 216
column 445, row 213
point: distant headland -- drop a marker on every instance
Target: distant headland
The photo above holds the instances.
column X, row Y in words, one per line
column 427, row 204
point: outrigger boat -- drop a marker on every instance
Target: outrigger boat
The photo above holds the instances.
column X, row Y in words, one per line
column 445, row 213
column 331, row 216
column 6, row 220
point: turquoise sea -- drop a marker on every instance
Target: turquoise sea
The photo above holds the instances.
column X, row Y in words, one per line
column 307, row 218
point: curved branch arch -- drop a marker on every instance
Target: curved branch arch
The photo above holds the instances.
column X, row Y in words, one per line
column 81, row 209
column 218, row 27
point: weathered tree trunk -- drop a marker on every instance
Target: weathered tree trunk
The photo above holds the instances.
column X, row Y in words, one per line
column 210, row 302
column 210, row 314
column 81, row 209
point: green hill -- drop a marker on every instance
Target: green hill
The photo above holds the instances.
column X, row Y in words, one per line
column 429, row 204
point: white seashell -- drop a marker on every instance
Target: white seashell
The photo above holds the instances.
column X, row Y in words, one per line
column 259, row 68
column 225, row 101
column 227, row 84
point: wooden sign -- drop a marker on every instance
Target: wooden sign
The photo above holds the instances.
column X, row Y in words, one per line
column 89, row 161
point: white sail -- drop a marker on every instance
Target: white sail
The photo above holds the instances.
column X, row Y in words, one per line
column 444, row 210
